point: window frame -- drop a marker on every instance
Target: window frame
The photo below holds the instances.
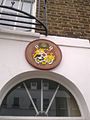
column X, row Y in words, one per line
column 56, row 77
column 50, row 104
column 32, row 12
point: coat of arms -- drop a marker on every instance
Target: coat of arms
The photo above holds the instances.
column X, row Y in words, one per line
column 43, row 54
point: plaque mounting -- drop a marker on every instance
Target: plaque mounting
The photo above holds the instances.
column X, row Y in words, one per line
column 43, row 54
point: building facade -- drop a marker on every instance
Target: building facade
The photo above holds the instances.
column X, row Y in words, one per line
column 35, row 90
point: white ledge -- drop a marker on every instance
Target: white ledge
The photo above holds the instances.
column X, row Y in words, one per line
column 30, row 36
column 40, row 118
column 68, row 42
column 18, row 35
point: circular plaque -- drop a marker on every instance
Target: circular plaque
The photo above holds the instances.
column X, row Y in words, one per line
column 43, row 54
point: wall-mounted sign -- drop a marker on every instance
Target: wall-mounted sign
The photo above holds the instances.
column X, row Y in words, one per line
column 43, row 54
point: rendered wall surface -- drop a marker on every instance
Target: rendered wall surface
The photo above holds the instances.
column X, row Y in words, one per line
column 74, row 66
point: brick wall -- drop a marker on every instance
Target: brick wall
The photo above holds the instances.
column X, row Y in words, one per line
column 70, row 18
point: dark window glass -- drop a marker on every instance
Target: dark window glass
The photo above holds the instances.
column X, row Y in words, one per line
column 35, row 102
column 4, row 104
column 39, row 97
column 61, row 106
column 16, row 102
column 46, row 103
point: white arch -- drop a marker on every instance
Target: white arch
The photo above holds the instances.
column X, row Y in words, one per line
column 52, row 76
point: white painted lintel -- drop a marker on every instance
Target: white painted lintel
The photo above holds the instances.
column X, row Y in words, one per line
column 18, row 35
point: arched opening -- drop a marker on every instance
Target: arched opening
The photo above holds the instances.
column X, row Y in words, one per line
column 39, row 97
column 42, row 93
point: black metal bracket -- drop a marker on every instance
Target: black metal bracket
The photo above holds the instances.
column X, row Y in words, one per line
column 37, row 25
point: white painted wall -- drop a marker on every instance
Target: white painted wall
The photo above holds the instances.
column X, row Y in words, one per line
column 75, row 63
